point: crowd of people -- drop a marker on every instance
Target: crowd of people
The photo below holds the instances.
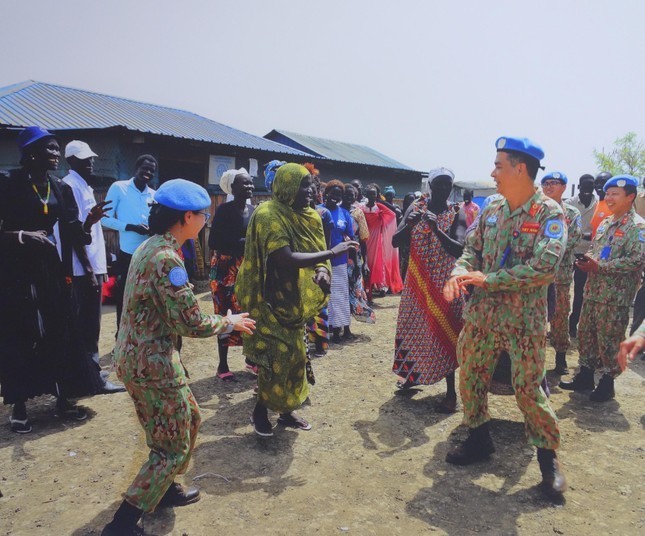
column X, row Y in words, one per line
column 478, row 288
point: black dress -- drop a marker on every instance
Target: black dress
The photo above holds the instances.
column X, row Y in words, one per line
column 39, row 353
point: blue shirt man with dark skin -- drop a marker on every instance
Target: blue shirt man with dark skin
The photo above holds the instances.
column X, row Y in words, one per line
column 130, row 207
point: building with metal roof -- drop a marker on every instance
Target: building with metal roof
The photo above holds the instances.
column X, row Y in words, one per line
column 348, row 161
column 186, row 144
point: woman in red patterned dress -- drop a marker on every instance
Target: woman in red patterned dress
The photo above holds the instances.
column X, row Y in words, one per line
column 428, row 326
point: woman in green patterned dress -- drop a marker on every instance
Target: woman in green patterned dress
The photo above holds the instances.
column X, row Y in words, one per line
column 283, row 282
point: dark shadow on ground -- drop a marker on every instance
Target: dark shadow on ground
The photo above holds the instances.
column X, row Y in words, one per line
column 158, row 523
column 478, row 498
column 401, row 423
column 593, row 416
column 40, row 412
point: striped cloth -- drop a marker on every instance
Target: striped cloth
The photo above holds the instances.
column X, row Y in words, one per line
column 339, row 312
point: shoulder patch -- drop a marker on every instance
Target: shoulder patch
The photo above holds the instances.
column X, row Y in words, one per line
column 178, row 276
column 491, row 220
column 641, row 235
column 553, row 229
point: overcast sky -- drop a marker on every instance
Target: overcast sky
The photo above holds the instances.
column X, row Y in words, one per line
column 428, row 83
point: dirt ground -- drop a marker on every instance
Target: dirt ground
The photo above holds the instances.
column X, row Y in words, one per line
column 373, row 463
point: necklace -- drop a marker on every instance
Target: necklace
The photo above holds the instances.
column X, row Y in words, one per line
column 46, row 200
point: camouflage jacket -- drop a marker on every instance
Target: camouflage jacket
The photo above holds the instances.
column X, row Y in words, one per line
column 158, row 306
column 519, row 252
column 564, row 275
column 619, row 248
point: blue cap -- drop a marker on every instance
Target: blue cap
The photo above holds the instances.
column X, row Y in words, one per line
column 520, row 145
column 181, row 194
column 389, row 189
column 269, row 172
column 621, row 181
column 555, row 175
column 30, row 135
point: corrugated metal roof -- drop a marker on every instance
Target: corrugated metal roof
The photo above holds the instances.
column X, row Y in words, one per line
column 338, row 150
column 60, row 108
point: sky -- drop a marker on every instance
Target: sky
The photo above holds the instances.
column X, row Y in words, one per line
column 427, row 83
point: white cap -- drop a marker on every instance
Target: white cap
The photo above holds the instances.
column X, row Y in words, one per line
column 79, row 149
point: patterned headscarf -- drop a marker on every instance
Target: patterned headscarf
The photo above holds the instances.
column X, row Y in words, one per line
column 287, row 182
column 269, row 172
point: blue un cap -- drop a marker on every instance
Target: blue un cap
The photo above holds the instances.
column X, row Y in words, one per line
column 520, row 145
column 181, row 194
column 621, row 181
column 30, row 135
column 555, row 175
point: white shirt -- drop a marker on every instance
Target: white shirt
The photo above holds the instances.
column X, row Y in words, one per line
column 586, row 214
column 84, row 196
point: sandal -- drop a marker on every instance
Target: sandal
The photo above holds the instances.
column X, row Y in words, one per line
column 20, row 426
column 70, row 411
column 294, row 422
column 263, row 431
column 407, row 384
column 227, row 376
column 253, row 369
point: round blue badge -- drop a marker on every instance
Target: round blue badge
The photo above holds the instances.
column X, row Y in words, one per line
column 553, row 229
column 178, row 276
column 641, row 235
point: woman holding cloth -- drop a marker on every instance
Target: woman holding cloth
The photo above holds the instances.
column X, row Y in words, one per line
column 428, row 326
column 284, row 281
column 159, row 307
column 226, row 241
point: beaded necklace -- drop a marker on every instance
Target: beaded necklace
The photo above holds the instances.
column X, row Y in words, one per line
column 46, row 200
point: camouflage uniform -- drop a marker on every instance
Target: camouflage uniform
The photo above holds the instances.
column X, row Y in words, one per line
column 156, row 313
column 563, row 277
column 519, row 253
column 619, row 248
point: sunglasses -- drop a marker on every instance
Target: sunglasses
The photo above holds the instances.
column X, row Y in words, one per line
column 549, row 184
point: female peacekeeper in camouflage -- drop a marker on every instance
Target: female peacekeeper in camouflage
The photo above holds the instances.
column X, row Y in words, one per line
column 159, row 307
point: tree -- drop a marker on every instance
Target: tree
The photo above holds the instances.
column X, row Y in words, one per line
column 626, row 157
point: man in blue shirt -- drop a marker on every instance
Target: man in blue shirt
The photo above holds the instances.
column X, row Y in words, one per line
column 128, row 214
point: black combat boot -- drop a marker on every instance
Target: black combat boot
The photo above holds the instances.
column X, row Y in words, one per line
column 583, row 381
column 604, row 391
column 561, row 363
column 177, row 495
column 477, row 446
column 124, row 522
column 554, row 483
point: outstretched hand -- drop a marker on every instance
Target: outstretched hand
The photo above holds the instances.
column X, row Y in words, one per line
column 629, row 349
column 343, row 247
column 241, row 322
column 97, row 212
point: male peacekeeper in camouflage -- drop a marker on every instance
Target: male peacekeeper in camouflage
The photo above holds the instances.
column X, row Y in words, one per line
column 510, row 257
column 554, row 185
column 159, row 307
column 614, row 264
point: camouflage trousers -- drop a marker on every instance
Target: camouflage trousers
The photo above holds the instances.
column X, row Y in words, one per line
column 170, row 417
column 600, row 332
column 560, row 321
column 478, row 349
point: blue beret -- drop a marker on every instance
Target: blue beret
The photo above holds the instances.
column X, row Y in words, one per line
column 181, row 194
column 520, row 145
column 621, row 181
column 555, row 175
column 30, row 135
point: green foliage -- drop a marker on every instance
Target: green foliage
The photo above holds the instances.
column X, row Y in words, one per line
column 626, row 157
